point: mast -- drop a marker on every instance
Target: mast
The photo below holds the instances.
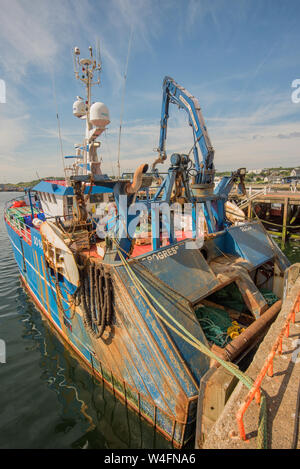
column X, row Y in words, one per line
column 96, row 115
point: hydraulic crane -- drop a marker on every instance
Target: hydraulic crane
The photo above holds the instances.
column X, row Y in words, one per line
column 176, row 94
column 194, row 178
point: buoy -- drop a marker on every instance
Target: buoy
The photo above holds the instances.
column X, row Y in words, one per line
column 37, row 222
column 19, row 203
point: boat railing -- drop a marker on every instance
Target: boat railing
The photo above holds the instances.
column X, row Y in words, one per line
column 20, row 226
column 245, row 202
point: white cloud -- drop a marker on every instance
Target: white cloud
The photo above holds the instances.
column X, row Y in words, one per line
column 35, row 34
column 261, row 137
column 32, row 32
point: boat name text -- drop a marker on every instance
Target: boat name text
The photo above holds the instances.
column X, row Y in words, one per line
column 163, row 254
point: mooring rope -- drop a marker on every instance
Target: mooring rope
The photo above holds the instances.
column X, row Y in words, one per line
column 275, row 224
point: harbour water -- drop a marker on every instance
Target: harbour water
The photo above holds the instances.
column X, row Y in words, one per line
column 47, row 400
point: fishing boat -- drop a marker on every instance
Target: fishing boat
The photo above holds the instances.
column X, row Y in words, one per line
column 143, row 303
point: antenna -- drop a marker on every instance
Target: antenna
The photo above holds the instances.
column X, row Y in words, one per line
column 123, row 99
column 58, row 125
column 99, row 60
column 84, row 68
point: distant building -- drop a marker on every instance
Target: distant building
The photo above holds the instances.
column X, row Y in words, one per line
column 255, row 171
column 293, row 177
column 275, row 178
column 295, row 173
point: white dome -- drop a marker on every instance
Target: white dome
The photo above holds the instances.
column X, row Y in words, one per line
column 79, row 108
column 99, row 115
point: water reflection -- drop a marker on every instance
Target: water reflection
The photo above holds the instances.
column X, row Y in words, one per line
column 85, row 402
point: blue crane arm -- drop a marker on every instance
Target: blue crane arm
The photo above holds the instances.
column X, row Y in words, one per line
column 176, row 94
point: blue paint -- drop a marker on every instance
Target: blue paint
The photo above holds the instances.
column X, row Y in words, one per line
column 59, row 189
column 250, row 242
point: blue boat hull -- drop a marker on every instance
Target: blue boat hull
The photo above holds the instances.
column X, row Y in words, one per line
column 141, row 363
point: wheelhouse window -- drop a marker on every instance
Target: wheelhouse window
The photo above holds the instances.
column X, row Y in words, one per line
column 96, row 198
column 69, row 205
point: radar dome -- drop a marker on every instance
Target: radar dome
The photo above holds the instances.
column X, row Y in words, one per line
column 99, row 115
column 79, row 108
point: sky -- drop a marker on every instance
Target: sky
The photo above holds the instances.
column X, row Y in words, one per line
column 239, row 58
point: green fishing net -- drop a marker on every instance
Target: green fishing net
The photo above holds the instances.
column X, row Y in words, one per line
column 269, row 296
column 229, row 296
column 214, row 323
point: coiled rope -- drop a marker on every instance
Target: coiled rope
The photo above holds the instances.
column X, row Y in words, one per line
column 96, row 298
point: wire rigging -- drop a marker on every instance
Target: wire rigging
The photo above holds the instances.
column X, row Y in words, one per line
column 58, row 123
column 123, row 100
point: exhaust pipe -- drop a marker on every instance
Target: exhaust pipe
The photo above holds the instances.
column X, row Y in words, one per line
column 134, row 186
column 251, row 335
column 253, row 332
column 160, row 159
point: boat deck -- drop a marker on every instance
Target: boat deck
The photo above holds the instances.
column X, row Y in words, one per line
column 138, row 250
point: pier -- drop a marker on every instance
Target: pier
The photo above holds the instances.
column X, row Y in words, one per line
column 275, row 371
column 266, row 196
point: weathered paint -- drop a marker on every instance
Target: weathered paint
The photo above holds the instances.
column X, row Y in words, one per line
column 57, row 252
column 183, row 270
column 249, row 241
column 121, row 362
